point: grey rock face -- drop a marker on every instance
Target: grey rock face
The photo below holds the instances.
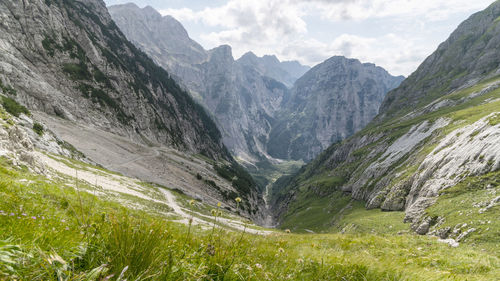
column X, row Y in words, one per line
column 243, row 95
column 68, row 58
column 164, row 39
column 329, row 103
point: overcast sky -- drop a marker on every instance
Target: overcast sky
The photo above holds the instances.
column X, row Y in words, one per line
column 395, row 34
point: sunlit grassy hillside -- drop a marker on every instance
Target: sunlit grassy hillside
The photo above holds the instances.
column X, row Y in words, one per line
column 52, row 230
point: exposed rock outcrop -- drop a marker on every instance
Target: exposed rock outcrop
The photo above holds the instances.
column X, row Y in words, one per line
column 243, row 96
column 437, row 130
column 329, row 103
column 69, row 59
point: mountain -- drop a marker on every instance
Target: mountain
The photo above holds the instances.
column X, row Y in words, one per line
column 468, row 56
column 69, row 59
column 329, row 103
column 243, row 95
column 164, row 39
column 286, row 72
column 432, row 152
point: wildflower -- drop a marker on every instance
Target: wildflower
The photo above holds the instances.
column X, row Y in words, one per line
column 12, row 214
column 219, row 214
column 191, row 202
column 238, row 200
column 33, row 218
column 190, row 220
column 67, row 228
column 214, row 212
column 24, row 215
column 63, row 220
column 258, row 265
column 287, row 230
column 281, row 250
column 218, row 205
column 210, row 250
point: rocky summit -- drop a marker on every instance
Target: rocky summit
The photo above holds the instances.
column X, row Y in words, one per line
column 241, row 95
column 259, row 116
column 329, row 103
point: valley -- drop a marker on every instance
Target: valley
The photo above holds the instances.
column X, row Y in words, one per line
column 128, row 151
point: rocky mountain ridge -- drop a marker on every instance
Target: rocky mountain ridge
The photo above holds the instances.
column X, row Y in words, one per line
column 329, row 103
column 249, row 97
column 68, row 59
column 434, row 136
column 286, row 72
column 242, row 99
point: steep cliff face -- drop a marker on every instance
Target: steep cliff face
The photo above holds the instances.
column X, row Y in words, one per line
column 243, row 95
column 328, row 104
column 425, row 143
column 68, row 59
column 164, row 39
column 243, row 101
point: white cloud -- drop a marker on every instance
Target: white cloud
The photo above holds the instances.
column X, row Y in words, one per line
column 429, row 10
column 279, row 27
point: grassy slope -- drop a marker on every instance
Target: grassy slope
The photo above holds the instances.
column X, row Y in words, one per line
column 56, row 232
column 465, row 203
column 317, row 203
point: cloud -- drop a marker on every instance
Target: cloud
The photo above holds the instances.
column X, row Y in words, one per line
column 398, row 55
column 280, row 27
column 429, row 10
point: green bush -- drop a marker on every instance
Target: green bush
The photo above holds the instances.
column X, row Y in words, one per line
column 38, row 128
column 14, row 108
column 7, row 89
column 77, row 71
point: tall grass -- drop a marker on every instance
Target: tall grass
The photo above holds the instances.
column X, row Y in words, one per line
column 51, row 230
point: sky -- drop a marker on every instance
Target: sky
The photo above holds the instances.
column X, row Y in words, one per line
column 394, row 34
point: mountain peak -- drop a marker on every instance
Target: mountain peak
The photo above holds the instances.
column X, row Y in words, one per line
column 249, row 55
column 222, row 50
column 150, row 11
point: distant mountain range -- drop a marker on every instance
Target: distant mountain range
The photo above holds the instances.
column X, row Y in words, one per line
column 254, row 100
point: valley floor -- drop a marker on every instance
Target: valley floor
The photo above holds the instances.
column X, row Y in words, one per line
column 103, row 226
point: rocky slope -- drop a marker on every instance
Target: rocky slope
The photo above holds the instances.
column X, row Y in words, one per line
column 328, row 104
column 435, row 138
column 467, row 56
column 164, row 39
column 69, row 59
column 243, row 95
